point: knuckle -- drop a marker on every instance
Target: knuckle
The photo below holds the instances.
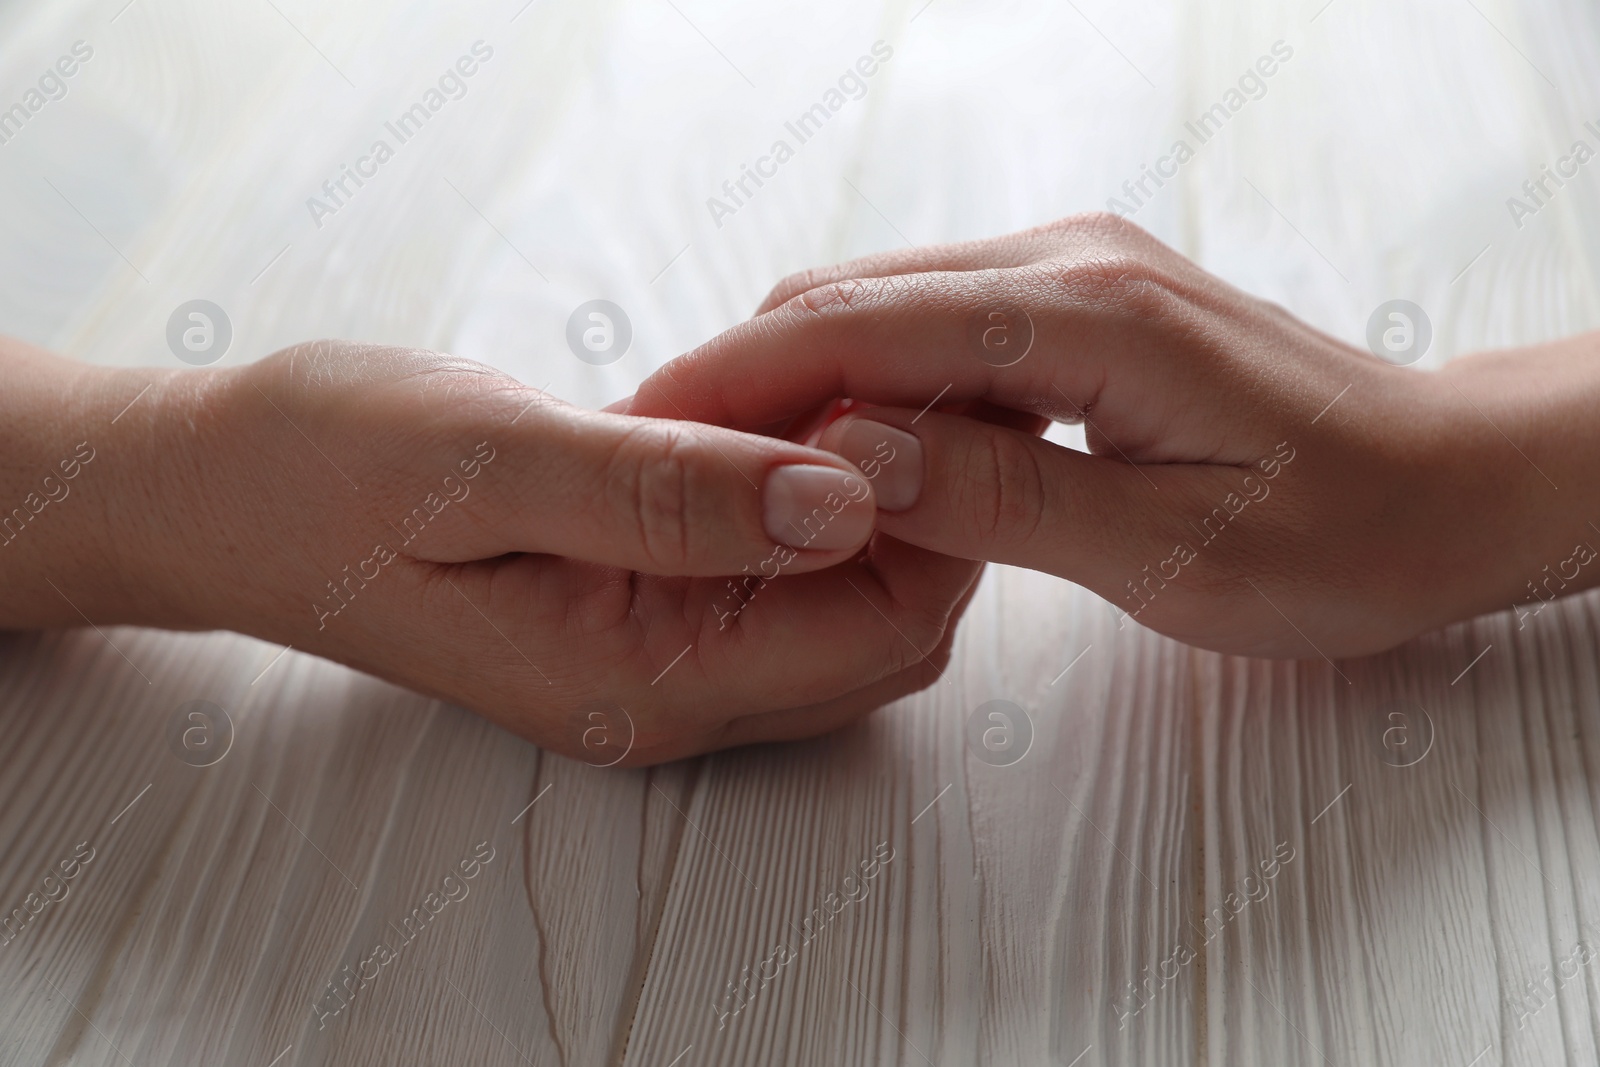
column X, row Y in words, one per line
column 793, row 285
column 1008, row 490
column 651, row 480
column 1101, row 226
column 835, row 297
column 1107, row 224
column 1103, row 258
column 1114, row 281
column 872, row 268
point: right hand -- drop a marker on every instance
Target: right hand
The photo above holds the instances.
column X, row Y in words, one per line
column 1253, row 485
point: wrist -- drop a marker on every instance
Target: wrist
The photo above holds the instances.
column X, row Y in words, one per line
column 1522, row 460
column 91, row 455
column 165, row 462
column 54, row 566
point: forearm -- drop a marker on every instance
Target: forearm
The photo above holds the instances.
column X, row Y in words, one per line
column 82, row 461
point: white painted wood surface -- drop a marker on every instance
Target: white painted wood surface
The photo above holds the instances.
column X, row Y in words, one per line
column 1023, row 908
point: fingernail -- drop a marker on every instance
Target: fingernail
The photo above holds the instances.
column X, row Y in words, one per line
column 816, row 507
column 890, row 458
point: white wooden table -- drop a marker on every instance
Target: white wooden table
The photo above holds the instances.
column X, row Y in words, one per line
column 1201, row 859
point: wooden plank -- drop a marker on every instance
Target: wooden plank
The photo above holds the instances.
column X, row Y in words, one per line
column 241, row 889
column 1020, row 901
column 1433, row 879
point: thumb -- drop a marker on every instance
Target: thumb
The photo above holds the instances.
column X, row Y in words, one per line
column 661, row 496
column 970, row 488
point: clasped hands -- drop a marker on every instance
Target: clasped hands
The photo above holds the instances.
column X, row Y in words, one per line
column 725, row 558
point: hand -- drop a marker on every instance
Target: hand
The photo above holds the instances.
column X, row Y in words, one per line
column 438, row 524
column 1252, row 485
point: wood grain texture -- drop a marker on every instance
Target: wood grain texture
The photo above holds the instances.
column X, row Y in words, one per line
column 1002, row 930
column 1107, row 900
column 1431, row 899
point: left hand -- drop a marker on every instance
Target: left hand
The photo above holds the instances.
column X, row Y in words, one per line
column 438, row 524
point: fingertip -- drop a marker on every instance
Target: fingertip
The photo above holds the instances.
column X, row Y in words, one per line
column 818, row 508
column 889, row 456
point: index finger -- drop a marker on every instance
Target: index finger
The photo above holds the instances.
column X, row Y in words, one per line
column 906, row 341
column 1034, row 329
column 1013, row 250
column 898, row 341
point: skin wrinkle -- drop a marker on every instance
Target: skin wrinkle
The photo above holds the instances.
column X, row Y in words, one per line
column 901, row 650
column 1009, row 498
column 936, row 621
column 924, row 618
column 1261, row 531
column 462, row 392
column 653, row 475
column 821, row 300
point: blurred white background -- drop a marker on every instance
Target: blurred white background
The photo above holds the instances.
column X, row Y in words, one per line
column 579, row 163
